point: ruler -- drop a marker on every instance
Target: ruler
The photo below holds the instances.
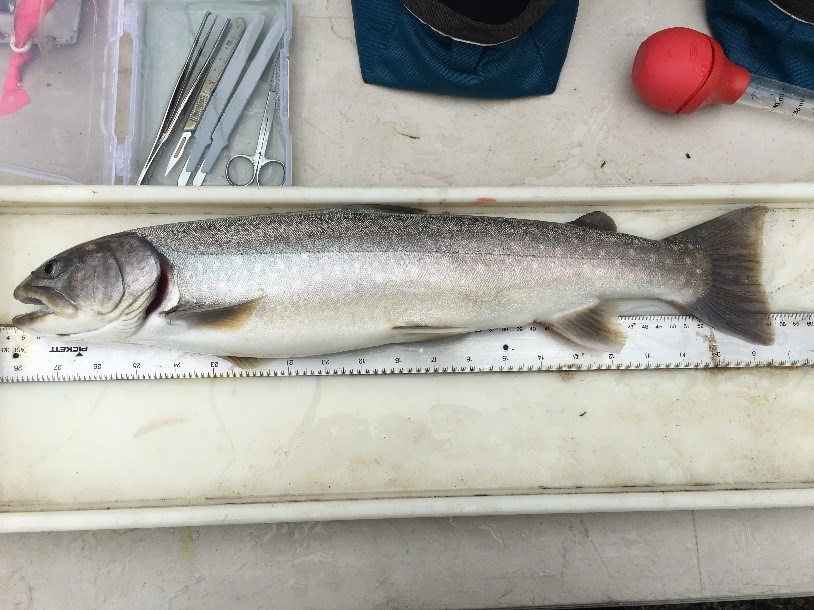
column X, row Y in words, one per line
column 654, row 342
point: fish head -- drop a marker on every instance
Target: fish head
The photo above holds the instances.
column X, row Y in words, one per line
column 98, row 289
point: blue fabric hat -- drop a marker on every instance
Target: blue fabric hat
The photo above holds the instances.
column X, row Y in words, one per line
column 475, row 48
column 769, row 38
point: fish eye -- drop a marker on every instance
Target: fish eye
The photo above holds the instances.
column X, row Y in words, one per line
column 50, row 268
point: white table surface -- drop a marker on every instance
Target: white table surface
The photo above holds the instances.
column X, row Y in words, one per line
column 346, row 133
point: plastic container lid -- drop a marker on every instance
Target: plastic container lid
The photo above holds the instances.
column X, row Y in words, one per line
column 65, row 133
column 68, row 132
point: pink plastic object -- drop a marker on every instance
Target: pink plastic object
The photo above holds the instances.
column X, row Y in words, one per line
column 27, row 19
column 679, row 70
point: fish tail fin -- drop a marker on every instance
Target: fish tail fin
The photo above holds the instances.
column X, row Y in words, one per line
column 735, row 301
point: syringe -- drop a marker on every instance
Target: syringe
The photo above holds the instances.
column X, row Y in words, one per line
column 679, row 70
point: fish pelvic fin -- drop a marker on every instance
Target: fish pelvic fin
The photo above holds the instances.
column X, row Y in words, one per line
column 735, row 301
column 595, row 220
column 246, row 362
column 596, row 326
column 226, row 318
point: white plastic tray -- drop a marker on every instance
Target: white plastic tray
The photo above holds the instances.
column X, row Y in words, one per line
column 140, row 454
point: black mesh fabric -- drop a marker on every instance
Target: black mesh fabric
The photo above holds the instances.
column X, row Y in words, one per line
column 802, row 9
column 482, row 22
column 773, row 38
column 493, row 12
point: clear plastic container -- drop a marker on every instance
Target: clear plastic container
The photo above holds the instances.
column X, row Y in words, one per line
column 67, row 133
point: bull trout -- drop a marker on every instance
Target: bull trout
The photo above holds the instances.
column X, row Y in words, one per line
column 319, row 282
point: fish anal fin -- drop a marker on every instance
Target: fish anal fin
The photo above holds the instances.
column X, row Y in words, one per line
column 246, row 362
column 596, row 220
column 228, row 318
column 425, row 332
column 595, row 326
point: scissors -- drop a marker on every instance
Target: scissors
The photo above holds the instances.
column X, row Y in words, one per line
column 259, row 160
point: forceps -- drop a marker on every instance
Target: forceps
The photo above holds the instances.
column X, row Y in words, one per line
column 179, row 100
column 259, row 160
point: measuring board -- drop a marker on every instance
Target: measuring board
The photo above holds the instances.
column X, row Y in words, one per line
column 654, row 342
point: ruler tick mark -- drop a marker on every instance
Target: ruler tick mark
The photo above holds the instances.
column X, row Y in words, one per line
column 653, row 344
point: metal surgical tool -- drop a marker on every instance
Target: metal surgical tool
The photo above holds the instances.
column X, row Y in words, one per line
column 220, row 98
column 205, row 94
column 227, row 122
column 259, row 160
column 183, row 92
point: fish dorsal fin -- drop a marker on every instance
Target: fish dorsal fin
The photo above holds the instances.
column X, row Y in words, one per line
column 595, row 326
column 383, row 208
column 596, row 220
column 246, row 362
column 228, row 318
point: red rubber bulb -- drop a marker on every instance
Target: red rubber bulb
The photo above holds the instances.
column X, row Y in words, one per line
column 679, row 70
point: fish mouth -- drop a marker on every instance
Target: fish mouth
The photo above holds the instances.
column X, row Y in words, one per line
column 50, row 302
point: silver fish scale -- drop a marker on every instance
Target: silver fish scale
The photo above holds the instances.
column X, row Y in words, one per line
column 363, row 230
column 304, row 283
column 347, row 278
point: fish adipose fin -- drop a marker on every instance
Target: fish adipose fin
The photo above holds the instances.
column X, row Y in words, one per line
column 596, row 220
column 226, row 318
column 596, row 327
column 735, row 301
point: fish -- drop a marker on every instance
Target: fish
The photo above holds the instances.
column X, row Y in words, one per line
column 327, row 281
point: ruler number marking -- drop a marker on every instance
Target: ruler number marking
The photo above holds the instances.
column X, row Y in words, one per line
column 656, row 342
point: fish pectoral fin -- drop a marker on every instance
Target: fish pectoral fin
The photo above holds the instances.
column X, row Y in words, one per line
column 246, row 362
column 425, row 332
column 228, row 318
column 384, row 208
column 595, row 326
column 596, row 220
